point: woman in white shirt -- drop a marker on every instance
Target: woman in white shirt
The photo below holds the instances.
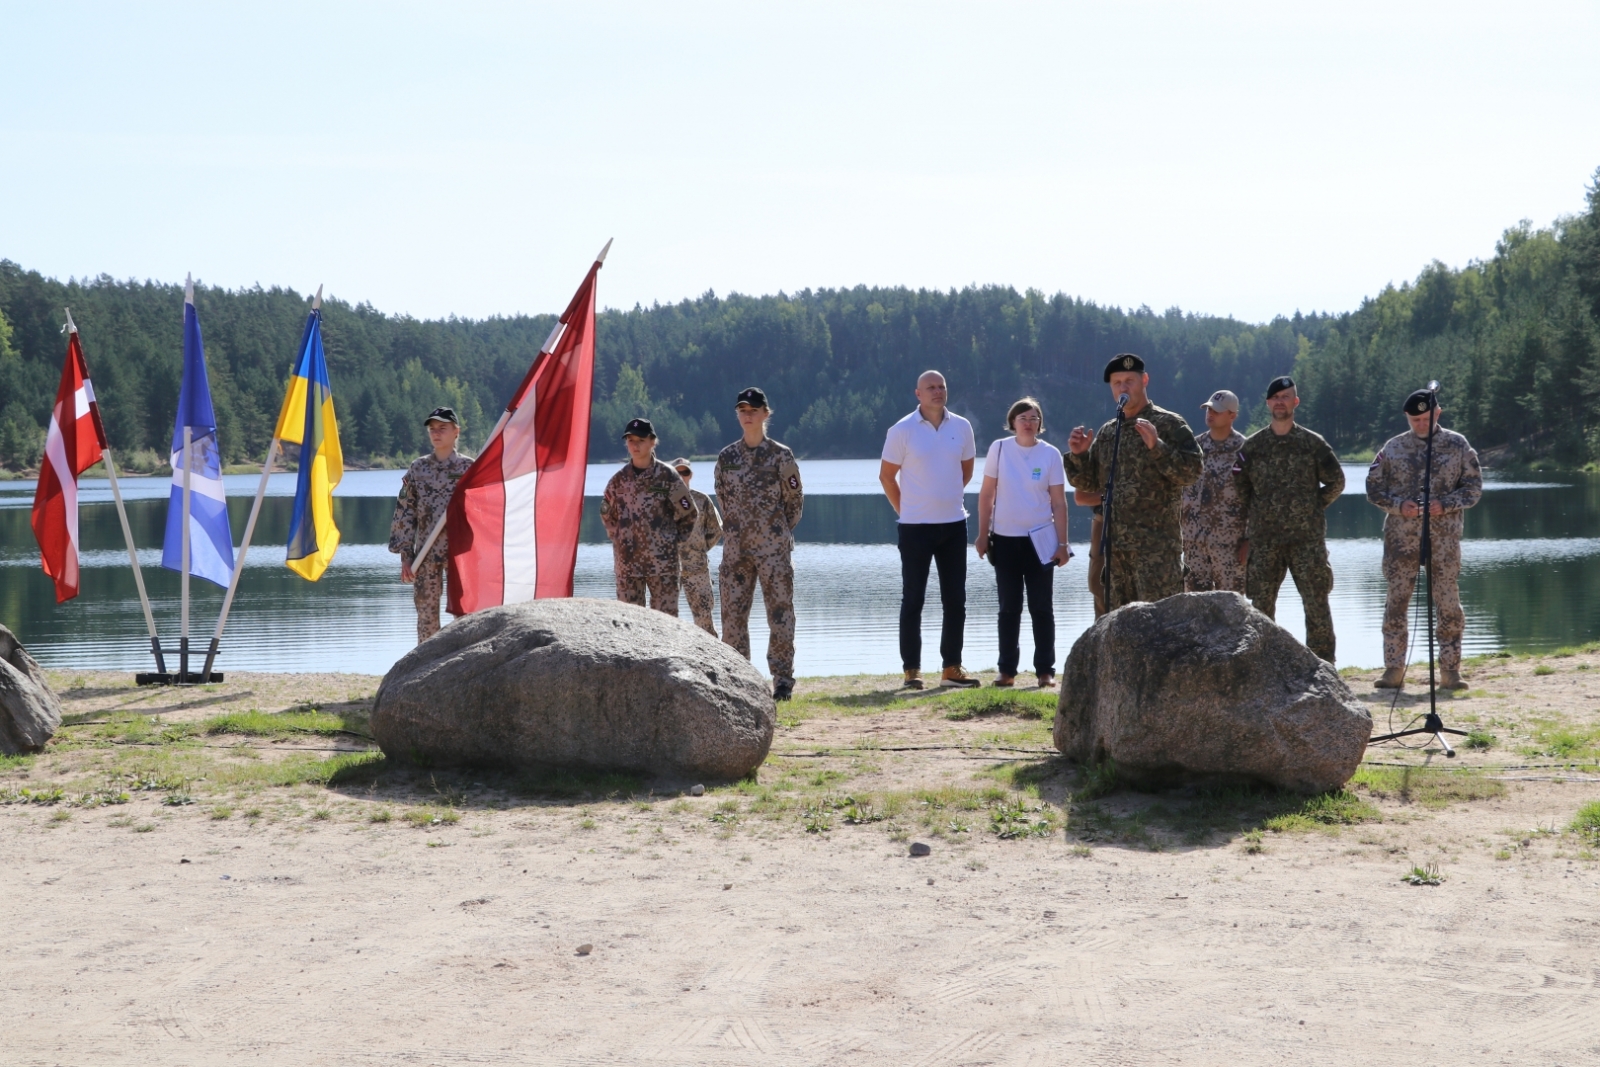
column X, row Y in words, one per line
column 1022, row 527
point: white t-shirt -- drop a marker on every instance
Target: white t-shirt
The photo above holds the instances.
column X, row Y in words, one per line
column 930, row 461
column 1024, row 475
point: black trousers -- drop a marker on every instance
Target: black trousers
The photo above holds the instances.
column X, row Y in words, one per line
column 943, row 544
column 1017, row 570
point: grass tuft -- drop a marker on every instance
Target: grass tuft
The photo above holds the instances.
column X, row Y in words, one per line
column 978, row 703
column 277, row 724
column 1426, row 786
column 1587, row 821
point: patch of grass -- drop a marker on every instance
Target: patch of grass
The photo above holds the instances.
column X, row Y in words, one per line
column 1543, row 669
column 1481, row 740
column 424, row 817
column 1426, row 786
column 1016, row 818
column 322, row 814
column 144, row 828
column 380, row 815
column 1565, row 741
column 52, row 795
column 277, row 724
column 221, row 812
column 1254, row 842
column 1099, row 779
column 1338, row 808
column 818, row 817
column 16, row 763
column 61, row 815
column 977, row 703
column 1587, row 821
column 1428, row 875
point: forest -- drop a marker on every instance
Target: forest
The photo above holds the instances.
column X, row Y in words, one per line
column 1515, row 340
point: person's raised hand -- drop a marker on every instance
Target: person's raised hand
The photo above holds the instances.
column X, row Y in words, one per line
column 1147, row 432
column 1079, row 440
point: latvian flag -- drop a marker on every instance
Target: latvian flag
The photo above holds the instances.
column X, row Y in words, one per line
column 75, row 443
column 513, row 519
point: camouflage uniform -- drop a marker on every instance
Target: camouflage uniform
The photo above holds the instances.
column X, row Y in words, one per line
column 760, row 488
column 1146, row 538
column 1286, row 483
column 1213, row 519
column 424, row 494
column 1395, row 477
column 647, row 513
column 692, row 562
column 1097, row 587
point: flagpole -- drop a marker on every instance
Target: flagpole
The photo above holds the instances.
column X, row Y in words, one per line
column 183, row 624
column 133, row 557
column 238, row 566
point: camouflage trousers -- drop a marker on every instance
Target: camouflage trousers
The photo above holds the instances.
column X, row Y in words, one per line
column 697, row 590
column 426, row 589
column 1401, row 561
column 1097, row 567
column 1313, row 577
column 1143, row 570
column 739, row 575
column 1212, row 565
column 663, row 589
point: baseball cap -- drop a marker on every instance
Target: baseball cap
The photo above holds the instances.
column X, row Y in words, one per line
column 1222, row 400
column 639, row 428
column 442, row 415
column 680, row 465
column 752, row 396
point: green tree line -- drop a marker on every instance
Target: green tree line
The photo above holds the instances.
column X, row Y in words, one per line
column 1514, row 340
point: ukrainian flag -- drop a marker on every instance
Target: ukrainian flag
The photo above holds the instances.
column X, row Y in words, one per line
column 307, row 420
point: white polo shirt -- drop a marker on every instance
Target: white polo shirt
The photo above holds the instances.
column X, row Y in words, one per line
column 930, row 461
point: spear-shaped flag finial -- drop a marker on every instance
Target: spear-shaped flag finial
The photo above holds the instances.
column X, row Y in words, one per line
column 601, row 258
column 316, row 305
column 188, row 289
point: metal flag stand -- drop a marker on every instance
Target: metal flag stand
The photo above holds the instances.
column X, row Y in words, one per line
column 127, row 537
column 1431, row 723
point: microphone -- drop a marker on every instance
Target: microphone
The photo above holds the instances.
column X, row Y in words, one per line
column 1433, row 386
column 1122, row 401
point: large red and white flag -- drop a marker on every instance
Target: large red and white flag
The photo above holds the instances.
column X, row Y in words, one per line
column 514, row 517
column 75, row 443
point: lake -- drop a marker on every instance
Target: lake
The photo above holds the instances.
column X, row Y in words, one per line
column 1530, row 578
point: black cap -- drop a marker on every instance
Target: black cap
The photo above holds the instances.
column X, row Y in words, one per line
column 1278, row 385
column 752, row 396
column 639, row 428
column 442, row 415
column 1419, row 403
column 1124, row 361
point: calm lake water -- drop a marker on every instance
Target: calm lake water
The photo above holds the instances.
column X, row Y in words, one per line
column 1531, row 578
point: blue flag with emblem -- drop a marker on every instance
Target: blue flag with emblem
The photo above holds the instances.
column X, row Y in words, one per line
column 195, row 453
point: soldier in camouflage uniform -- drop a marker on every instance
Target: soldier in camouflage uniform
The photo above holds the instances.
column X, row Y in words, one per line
column 694, row 570
column 647, row 512
column 1157, row 459
column 1287, row 477
column 424, row 494
column 758, row 483
column 1212, row 515
column 1394, row 483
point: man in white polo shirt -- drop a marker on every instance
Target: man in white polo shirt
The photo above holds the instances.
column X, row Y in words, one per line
column 927, row 463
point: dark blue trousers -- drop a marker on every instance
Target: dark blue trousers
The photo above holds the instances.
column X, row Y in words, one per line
column 942, row 544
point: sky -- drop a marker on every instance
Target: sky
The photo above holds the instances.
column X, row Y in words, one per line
column 470, row 159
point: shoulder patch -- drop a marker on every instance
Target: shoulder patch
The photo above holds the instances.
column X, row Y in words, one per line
column 1376, row 461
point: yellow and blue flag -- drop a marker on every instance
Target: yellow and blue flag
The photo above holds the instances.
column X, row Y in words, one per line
column 307, row 420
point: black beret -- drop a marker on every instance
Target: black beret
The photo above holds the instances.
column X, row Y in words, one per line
column 1419, row 403
column 442, row 415
column 1124, row 361
column 752, row 396
column 639, row 428
column 1278, row 385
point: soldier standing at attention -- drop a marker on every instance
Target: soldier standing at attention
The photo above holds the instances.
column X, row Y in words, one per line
column 1394, row 483
column 424, row 494
column 1287, row 478
column 758, row 481
column 696, row 572
column 1213, row 518
column 647, row 512
column 1157, row 459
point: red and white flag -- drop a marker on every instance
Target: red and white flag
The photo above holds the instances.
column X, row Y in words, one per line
column 74, row 444
column 514, row 517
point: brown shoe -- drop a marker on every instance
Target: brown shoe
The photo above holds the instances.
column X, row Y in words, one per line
column 1047, row 681
column 1005, row 681
column 1451, row 680
column 913, row 680
column 1393, row 678
column 957, row 678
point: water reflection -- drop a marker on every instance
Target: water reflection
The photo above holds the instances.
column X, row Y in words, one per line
column 1531, row 569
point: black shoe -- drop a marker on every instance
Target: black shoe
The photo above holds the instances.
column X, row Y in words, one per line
column 783, row 691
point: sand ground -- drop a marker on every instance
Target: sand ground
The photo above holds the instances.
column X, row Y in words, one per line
column 388, row 917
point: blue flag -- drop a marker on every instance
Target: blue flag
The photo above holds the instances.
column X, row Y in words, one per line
column 210, row 538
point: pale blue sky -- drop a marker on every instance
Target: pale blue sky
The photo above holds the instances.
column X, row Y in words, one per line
column 1243, row 159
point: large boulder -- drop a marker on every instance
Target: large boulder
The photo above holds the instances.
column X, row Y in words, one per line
column 1204, row 686
column 30, row 714
column 591, row 684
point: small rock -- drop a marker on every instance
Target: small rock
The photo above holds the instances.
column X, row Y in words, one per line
column 728, row 886
column 183, row 861
column 930, row 881
column 697, row 790
column 919, row 848
column 585, row 949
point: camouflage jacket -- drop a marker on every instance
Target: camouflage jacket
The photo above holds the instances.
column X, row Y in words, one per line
column 1396, row 476
column 1285, row 483
column 761, row 497
column 647, row 513
column 707, row 531
column 424, row 494
column 1211, row 508
column 1149, row 480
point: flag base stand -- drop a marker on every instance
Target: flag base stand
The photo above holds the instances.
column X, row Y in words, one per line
column 174, row 678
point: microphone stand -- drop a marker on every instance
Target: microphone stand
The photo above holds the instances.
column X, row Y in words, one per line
column 1105, row 501
column 1431, row 724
